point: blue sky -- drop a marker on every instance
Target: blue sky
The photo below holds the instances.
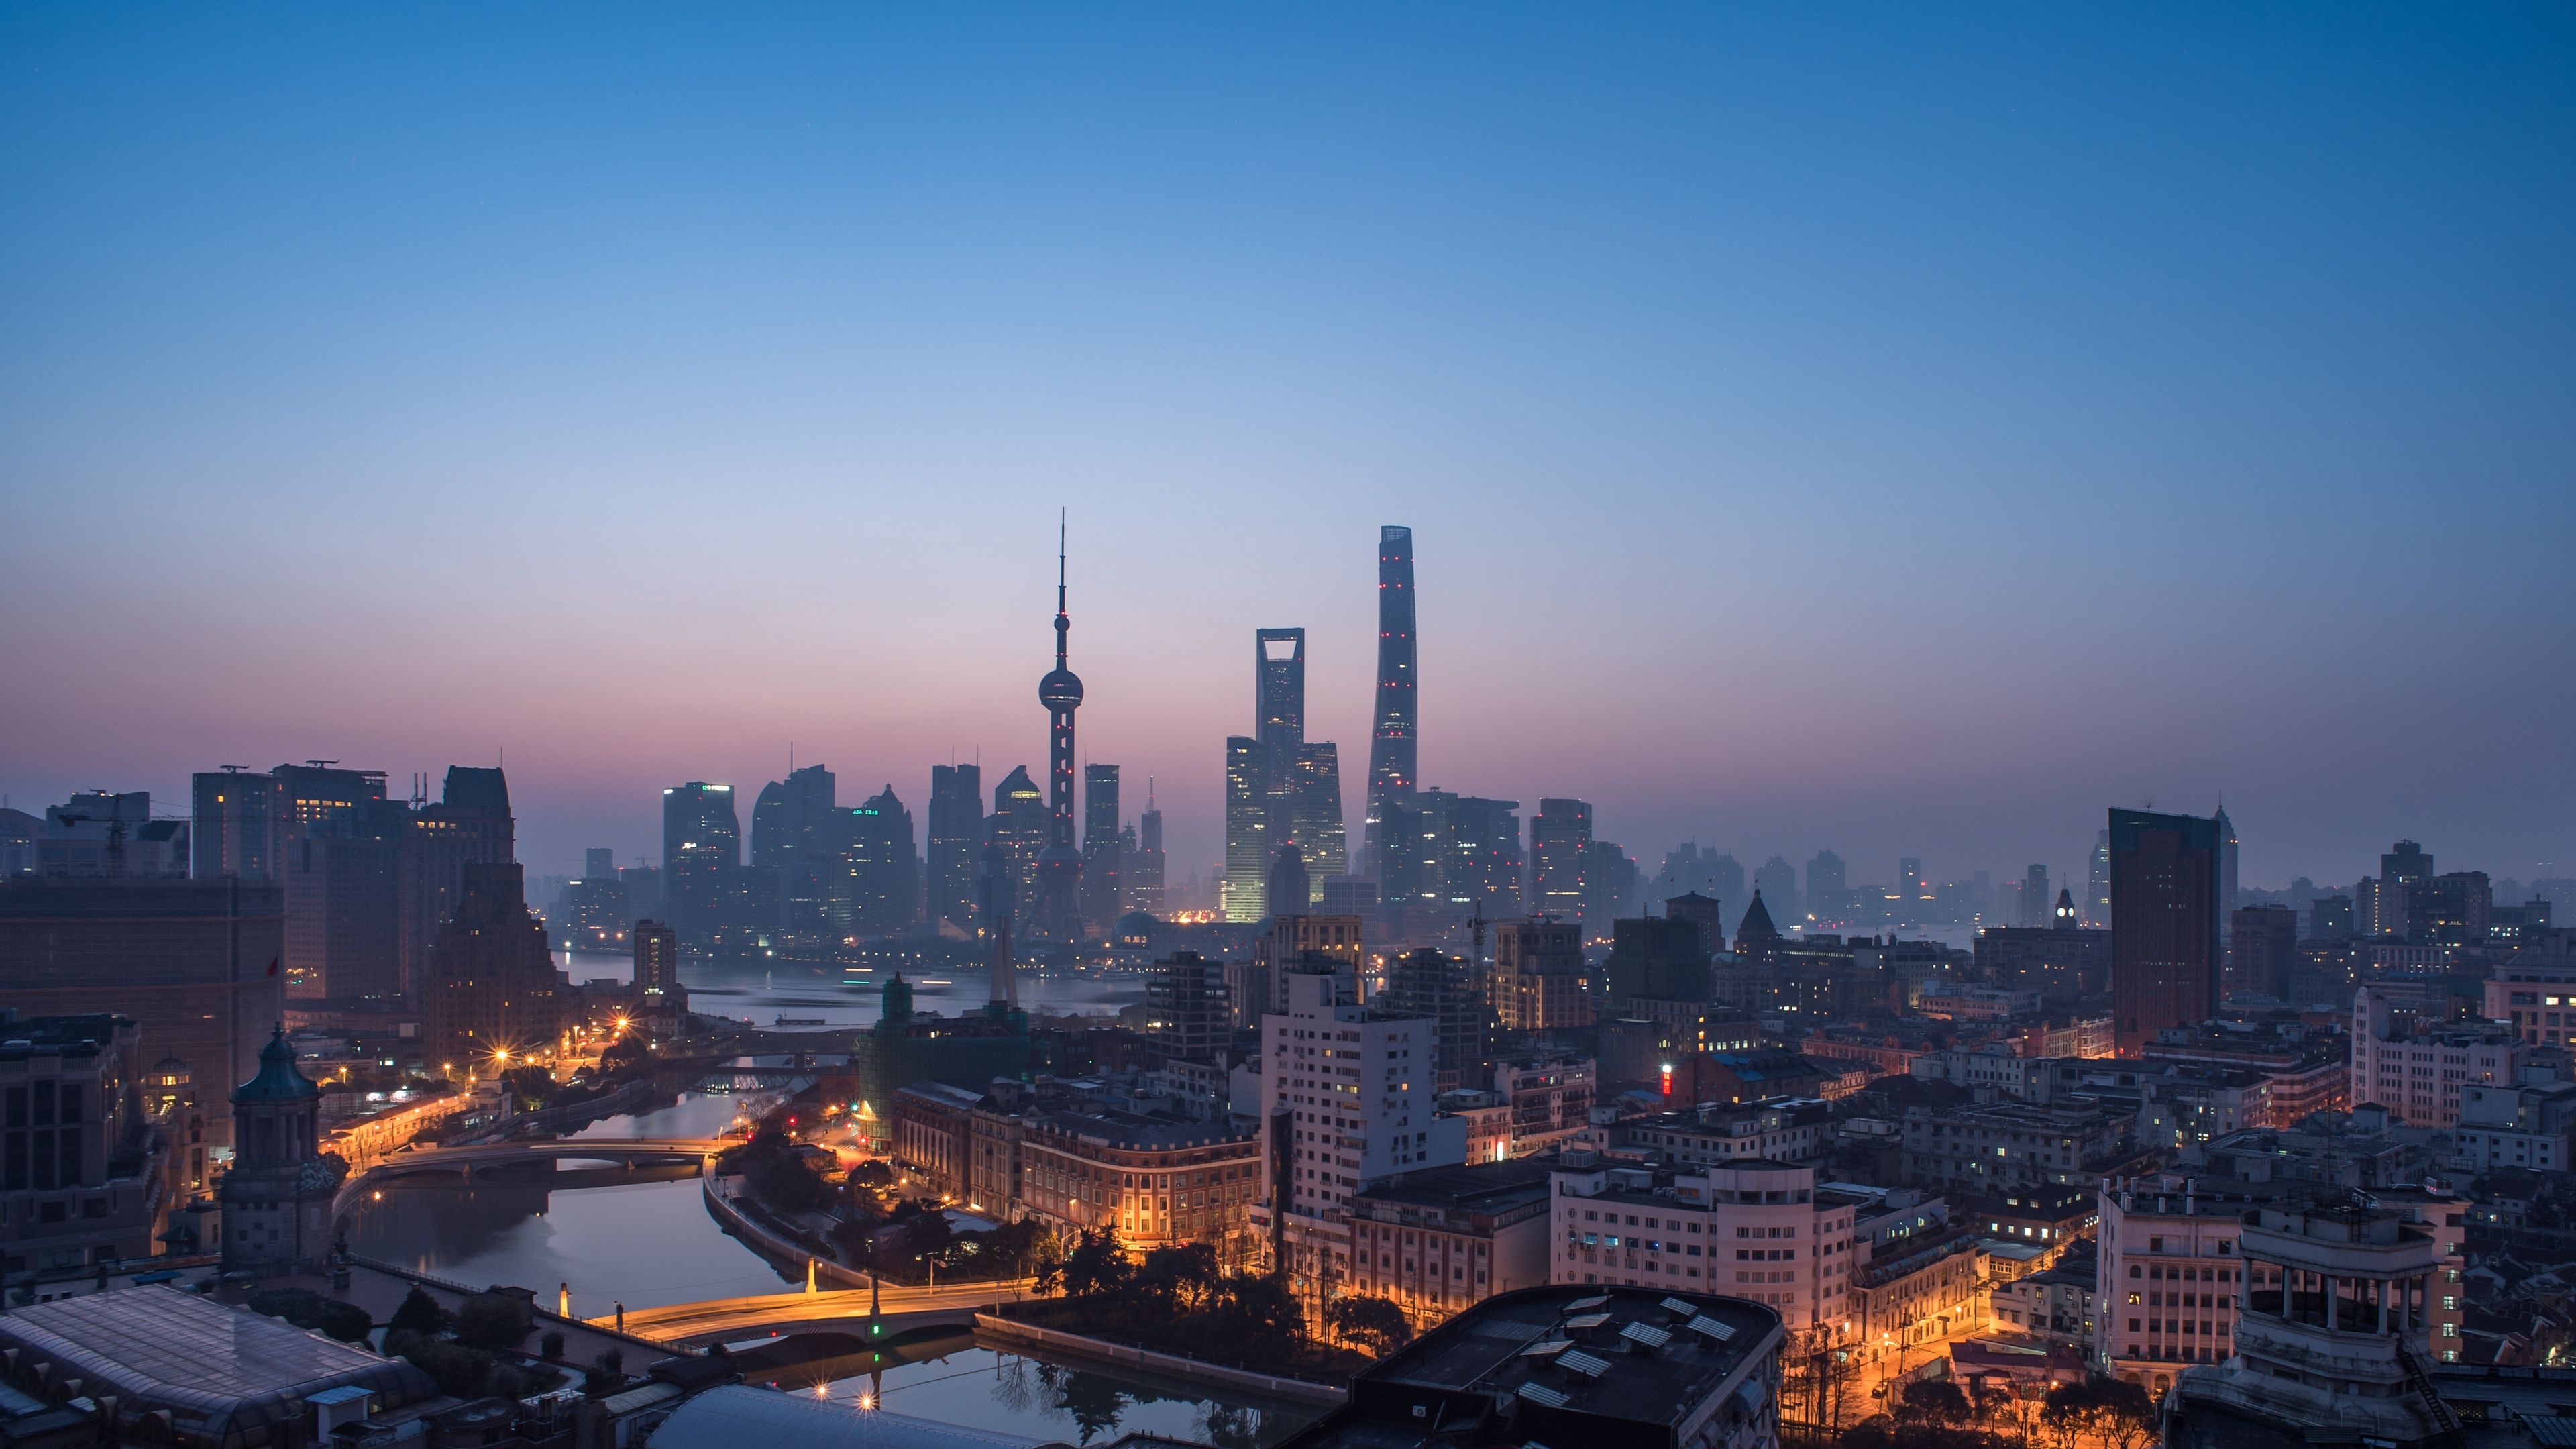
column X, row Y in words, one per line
column 1890, row 429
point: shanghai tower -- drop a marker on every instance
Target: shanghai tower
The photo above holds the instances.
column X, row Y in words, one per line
column 1058, row 916
column 1392, row 777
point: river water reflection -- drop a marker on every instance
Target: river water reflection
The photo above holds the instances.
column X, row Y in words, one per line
column 644, row 1244
column 650, row 1244
column 825, row 997
column 1012, row 1393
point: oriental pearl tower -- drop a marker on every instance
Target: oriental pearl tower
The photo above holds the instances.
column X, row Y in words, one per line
column 1058, row 917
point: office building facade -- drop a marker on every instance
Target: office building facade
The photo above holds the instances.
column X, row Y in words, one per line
column 1019, row 826
column 2165, row 924
column 1145, row 884
column 198, row 965
column 1243, row 893
column 493, row 995
column 1102, row 849
column 874, row 872
column 701, row 839
column 1539, row 980
column 956, row 843
column 1560, row 843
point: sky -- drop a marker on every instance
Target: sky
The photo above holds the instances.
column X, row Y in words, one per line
column 1890, row 428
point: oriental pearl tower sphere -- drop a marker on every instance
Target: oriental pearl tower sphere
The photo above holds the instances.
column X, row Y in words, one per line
column 1058, row 917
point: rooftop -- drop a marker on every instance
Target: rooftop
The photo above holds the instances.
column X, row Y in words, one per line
column 1111, row 1128
column 23, row 1036
column 1483, row 1184
column 1569, row 1366
column 221, row 1372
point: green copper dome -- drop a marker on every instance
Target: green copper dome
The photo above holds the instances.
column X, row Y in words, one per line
column 279, row 1079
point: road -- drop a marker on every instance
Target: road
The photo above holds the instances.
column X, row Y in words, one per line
column 762, row 1313
column 1894, row 1362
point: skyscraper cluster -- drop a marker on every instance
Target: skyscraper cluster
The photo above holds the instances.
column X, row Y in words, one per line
column 367, row 878
column 1283, row 792
column 1054, row 865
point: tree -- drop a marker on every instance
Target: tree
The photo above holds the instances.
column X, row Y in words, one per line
column 606, row 1374
column 929, row 1235
column 1935, row 1401
column 346, row 1322
column 299, row 1306
column 458, row 1370
column 496, row 1322
column 1377, row 1323
column 530, row 1087
column 2110, row 1410
column 1815, row 1379
column 1182, row 1278
column 421, row 1314
column 1258, row 1312
column 856, row 1239
column 1010, row 1249
column 1097, row 1264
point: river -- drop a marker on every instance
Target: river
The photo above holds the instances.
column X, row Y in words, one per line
column 821, row 997
column 650, row 1244
column 963, row 1382
column 642, row 1244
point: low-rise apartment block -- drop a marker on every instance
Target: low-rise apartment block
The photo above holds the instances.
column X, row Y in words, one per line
column 2417, row 1070
column 1996, row 1148
column 1438, row 1241
column 2169, row 1281
column 1757, row 1230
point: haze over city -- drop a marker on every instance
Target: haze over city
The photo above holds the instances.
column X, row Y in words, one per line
column 1903, row 445
column 1287, row 727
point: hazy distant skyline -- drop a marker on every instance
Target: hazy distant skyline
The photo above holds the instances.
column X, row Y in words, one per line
column 1898, row 431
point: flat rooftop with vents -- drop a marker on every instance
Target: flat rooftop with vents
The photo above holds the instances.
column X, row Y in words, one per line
column 1573, row 1367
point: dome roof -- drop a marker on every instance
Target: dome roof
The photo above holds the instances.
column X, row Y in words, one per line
column 1136, row 926
column 279, row 1079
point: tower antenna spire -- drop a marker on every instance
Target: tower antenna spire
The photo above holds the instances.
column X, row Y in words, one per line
column 1059, row 866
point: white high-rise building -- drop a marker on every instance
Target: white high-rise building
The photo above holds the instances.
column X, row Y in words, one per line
column 2418, row 1073
column 1355, row 1089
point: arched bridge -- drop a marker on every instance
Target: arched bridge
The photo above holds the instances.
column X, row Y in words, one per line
column 462, row 1161
column 844, row 1308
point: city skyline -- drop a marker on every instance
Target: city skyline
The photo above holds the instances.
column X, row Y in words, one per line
column 639, row 838
column 1909, row 445
column 1901, row 781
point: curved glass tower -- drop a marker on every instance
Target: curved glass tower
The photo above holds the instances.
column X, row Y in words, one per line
column 1392, row 775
